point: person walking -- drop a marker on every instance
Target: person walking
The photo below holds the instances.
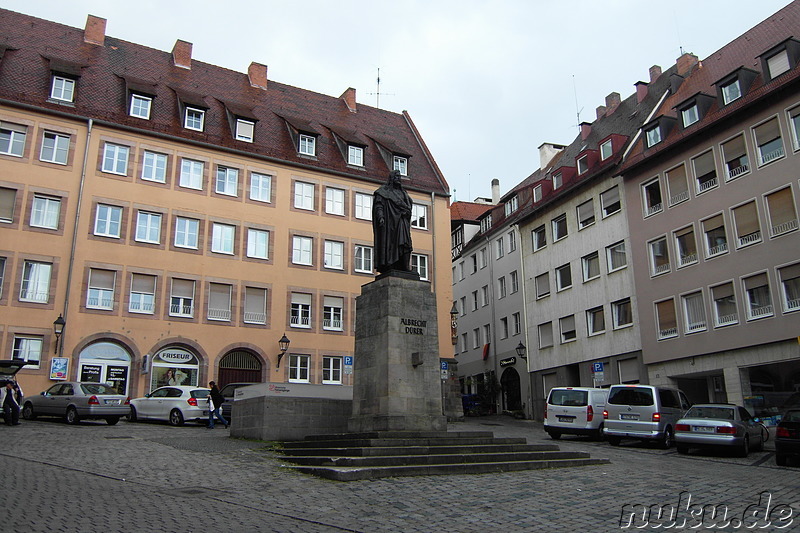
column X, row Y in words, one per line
column 215, row 399
column 10, row 398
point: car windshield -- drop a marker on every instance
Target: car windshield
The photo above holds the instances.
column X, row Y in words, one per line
column 569, row 398
column 631, row 396
column 97, row 388
column 704, row 411
column 200, row 393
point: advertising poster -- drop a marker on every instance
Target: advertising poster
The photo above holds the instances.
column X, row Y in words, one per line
column 117, row 376
column 91, row 373
column 58, row 367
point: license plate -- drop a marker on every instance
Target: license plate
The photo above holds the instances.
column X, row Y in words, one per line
column 703, row 429
column 565, row 419
column 628, row 417
column 112, row 402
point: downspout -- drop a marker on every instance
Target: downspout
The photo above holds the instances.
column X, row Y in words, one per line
column 529, row 403
column 433, row 240
column 493, row 327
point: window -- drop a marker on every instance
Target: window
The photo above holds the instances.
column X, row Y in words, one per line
column 334, row 255
column 790, row 287
column 745, row 219
column 514, row 281
column 227, row 180
column 487, row 333
column 401, row 164
column 419, row 216
column 260, row 187
column 778, row 64
column 517, row 321
column 769, row 141
column 542, row 283
column 35, row 282
column 622, row 313
column 651, row 196
column 659, row 257
column 245, row 130
column 191, row 174
column 419, row 264
column 559, row 227
column 512, row 241
column 583, row 164
column 609, row 201
column 677, row 185
column 219, row 302
column 486, row 223
column 595, row 321
column 331, row 370
column 715, row 238
column 694, row 312
column 606, row 150
column 537, row 193
column 539, row 238
column 301, row 250
column 615, row 257
column 194, row 119
column 591, row 266
column 257, row 243
column 501, row 287
column 148, row 227
column 115, row 159
column 567, row 327
column 558, row 180
column 545, row 335
column 464, row 342
column 511, row 205
column 143, row 292
column 300, row 311
column 363, row 259
column 482, row 261
column 307, row 144
column 705, row 172
column 186, row 231
column 563, row 277
column 731, row 92
column 794, row 124
column 585, row 214
column 686, row 246
column 63, row 89
column 255, row 305
column 759, row 301
column 463, row 305
column 474, row 300
column 334, row 201
column 363, row 206
column 332, row 313
column 304, row 195
column 355, row 155
column 55, row 148
column 108, row 220
column 734, row 154
column 667, row 319
column 725, row 312
column 298, row 368
column 484, row 296
column 12, row 139
column 154, row 167
column 140, row 106
column 222, row 238
column 690, row 115
column 476, row 338
column 653, row 136
column 499, row 248
column 45, row 212
column 504, row 327
column 473, row 263
column 781, row 211
column 28, row 349
column 2, row 274
column 182, row 298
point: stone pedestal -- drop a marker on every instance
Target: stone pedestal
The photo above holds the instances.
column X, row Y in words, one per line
column 396, row 374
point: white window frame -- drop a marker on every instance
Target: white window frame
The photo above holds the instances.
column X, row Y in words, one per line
column 764, row 155
column 586, row 264
column 182, row 306
column 307, row 144
column 55, row 148
column 35, row 286
column 28, row 348
column 227, row 182
column 115, row 159
column 334, row 201
column 99, row 296
column 331, row 370
column 567, row 333
column 148, row 227
column 610, row 251
column 194, row 118
column 514, row 277
column 535, row 241
column 539, row 281
column 154, row 167
column 615, row 313
column 516, row 319
column 592, row 326
column 728, row 95
column 223, row 313
column 613, row 207
column 257, row 243
column 606, row 150
column 789, row 279
column 537, row 193
column 655, row 268
column 694, row 312
column 245, row 130
column 419, row 264
column 141, row 301
column 588, row 221
column 304, row 195
column 666, row 332
column 223, row 237
column 333, row 313
column 355, row 155
column 45, row 211
column 260, row 187
column 334, row 255
column 300, row 311
column 561, row 283
column 16, row 135
column 108, row 221
column 299, row 371
column 302, row 250
column 140, row 106
column 650, row 208
column 400, row 163
column 653, row 136
column 545, row 335
column 757, row 312
column 690, row 115
column 555, row 224
column 558, row 180
column 690, row 258
column 191, row 174
column 62, row 88
column 499, row 248
column 724, row 319
column 583, row 164
column 187, row 232
column 362, row 258
column 252, row 316
column 501, row 287
column 512, row 241
column 363, row 206
column 419, row 216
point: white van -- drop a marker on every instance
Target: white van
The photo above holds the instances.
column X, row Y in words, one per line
column 575, row 411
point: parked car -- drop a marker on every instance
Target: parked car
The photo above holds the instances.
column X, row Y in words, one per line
column 644, row 412
column 9, row 369
column 175, row 404
column 228, row 393
column 715, row 425
column 575, row 411
column 787, row 437
column 76, row 401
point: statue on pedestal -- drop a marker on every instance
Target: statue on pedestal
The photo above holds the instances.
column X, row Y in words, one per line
column 391, row 226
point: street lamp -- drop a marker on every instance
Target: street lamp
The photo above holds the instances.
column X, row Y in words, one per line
column 521, row 350
column 454, row 324
column 58, row 329
column 284, row 345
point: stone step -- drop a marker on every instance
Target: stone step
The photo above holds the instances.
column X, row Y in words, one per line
column 411, row 460
column 419, row 450
column 399, row 442
column 401, row 435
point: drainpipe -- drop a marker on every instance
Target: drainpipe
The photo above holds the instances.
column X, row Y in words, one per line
column 433, row 242
column 529, row 403
column 493, row 325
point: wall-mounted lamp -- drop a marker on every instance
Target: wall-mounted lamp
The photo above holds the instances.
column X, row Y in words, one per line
column 521, row 350
column 454, row 324
column 58, row 329
column 284, row 345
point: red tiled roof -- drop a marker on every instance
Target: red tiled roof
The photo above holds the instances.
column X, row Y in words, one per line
column 468, row 211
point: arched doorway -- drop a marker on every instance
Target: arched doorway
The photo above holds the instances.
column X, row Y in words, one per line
column 105, row 362
column 512, row 395
column 174, row 365
column 239, row 366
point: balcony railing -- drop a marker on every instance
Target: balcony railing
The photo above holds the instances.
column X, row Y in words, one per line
column 750, row 238
column 688, row 259
column 104, row 303
column 721, row 248
column 255, row 318
column 668, row 332
column 697, row 326
column 703, row 186
column 784, row 227
column 793, row 304
column 758, row 312
column 653, row 209
column 660, row 269
column 725, row 320
column 679, row 197
column 219, row 314
column 737, row 171
column 181, row 310
column 335, row 323
column 34, row 296
column 300, row 321
column 771, row 156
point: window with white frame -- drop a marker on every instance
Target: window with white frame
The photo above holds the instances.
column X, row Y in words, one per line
column 486, row 223
column 558, row 180
column 45, row 211
column 537, row 193
column 143, row 294
column 28, row 349
column 504, row 327
column 559, row 227
column 227, row 180
column 585, row 214
column 2, row 274
column 539, row 238
column 260, row 187
column 140, row 106
column 705, row 171
column 731, row 91
column 257, row 243
column 514, row 281
column 108, row 220
column 476, row 338
column 516, row 319
column 563, row 277
column 298, row 368
column 501, row 287
column 667, row 319
column 181, row 301
column 769, row 143
column 487, row 330
column 690, row 115
column 512, row 241
column 606, row 150
column 191, row 174
column 255, row 305
column 307, row 144
column 245, row 130
column 659, row 256
column 794, row 125
column 567, row 327
column 595, row 320
column 334, row 255
column 148, row 227
column 332, row 308
column 615, row 257
column 716, row 241
column 419, row 264
column 334, row 201
column 35, row 285
column 591, row 266
column 484, row 296
column 419, row 216
column 473, row 263
column 622, row 313
column 462, row 305
column 545, row 335
column 400, row 163
column 653, row 136
column 301, row 250
column 62, row 89
column 609, row 201
column 724, row 299
column 781, row 212
column 542, row 285
column 651, row 198
column 685, row 246
column 474, row 300
column 789, row 277
column 194, row 118
column 363, row 206
column 464, row 342
column 511, row 205
column 186, row 232
column 219, row 301
column 12, row 138
column 745, row 220
column 694, row 312
column 677, row 185
column 300, row 316
column 55, row 148
column 583, row 164
column 355, row 155
column 154, row 167
column 304, row 195
column 759, row 300
column 734, row 154
column 115, row 159
column 363, row 258
column 778, row 64
column 331, row 370
column 222, row 238
column 482, row 258
column 499, row 248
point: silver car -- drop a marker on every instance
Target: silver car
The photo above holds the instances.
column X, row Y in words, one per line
column 175, row 404
column 76, row 401
column 715, row 425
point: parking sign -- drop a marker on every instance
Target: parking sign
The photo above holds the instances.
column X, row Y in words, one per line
column 597, row 367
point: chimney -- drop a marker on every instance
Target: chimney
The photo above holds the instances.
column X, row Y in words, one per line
column 586, row 129
column 349, row 97
column 182, row 54
column 95, row 32
column 686, row 63
column 655, row 73
column 258, row 75
column 641, row 91
column 495, row 191
column 601, row 111
column 612, row 101
column 547, row 151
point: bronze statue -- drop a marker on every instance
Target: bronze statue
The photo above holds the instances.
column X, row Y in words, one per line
column 391, row 225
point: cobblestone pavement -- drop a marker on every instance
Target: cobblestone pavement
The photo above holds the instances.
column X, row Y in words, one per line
column 150, row 477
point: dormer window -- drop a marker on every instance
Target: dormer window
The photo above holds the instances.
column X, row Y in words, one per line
column 401, row 164
column 63, row 89
column 307, row 144
column 245, row 130
column 486, row 223
column 511, row 205
column 735, row 85
column 355, row 155
column 690, row 115
column 653, row 136
column 657, row 130
column 194, row 119
column 606, row 150
column 558, row 180
column 537, row 193
column 140, row 106
column 731, row 92
column 779, row 59
column 778, row 64
column 583, row 164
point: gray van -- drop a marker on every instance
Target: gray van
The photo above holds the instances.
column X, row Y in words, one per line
column 644, row 412
column 575, row 411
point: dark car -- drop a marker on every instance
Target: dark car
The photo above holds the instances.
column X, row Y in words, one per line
column 787, row 437
column 228, row 392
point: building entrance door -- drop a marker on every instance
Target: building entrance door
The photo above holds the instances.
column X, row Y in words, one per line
column 239, row 366
column 512, row 395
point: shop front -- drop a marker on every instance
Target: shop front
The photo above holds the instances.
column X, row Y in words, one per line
column 105, row 362
column 174, row 365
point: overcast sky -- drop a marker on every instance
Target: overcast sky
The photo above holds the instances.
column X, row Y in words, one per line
column 486, row 82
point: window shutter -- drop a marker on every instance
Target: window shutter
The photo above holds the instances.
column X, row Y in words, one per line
column 298, row 298
column 255, row 300
column 790, row 272
column 704, row 164
column 628, row 370
column 666, row 315
column 713, row 223
column 734, row 148
column 219, row 296
column 778, row 64
column 183, row 288
column 7, row 200
column 753, row 282
column 746, row 217
column 101, row 279
column 722, row 291
column 333, row 301
column 781, row 206
column 767, row 131
column 143, row 283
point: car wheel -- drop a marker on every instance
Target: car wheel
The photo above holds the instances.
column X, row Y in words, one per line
column 27, row 412
column 72, row 416
column 683, row 450
column 132, row 417
column 780, row 460
column 555, row 435
column 599, row 435
column 744, row 449
column 176, row 417
column 666, row 441
column 111, row 420
column 614, row 441
column 760, row 447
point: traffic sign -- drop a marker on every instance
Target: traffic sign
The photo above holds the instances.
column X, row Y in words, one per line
column 597, row 367
column 444, row 364
column 348, row 360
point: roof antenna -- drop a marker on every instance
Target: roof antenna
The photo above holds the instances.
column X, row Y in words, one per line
column 378, row 92
column 577, row 111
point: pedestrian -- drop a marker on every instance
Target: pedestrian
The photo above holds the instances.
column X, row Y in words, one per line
column 10, row 398
column 215, row 399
